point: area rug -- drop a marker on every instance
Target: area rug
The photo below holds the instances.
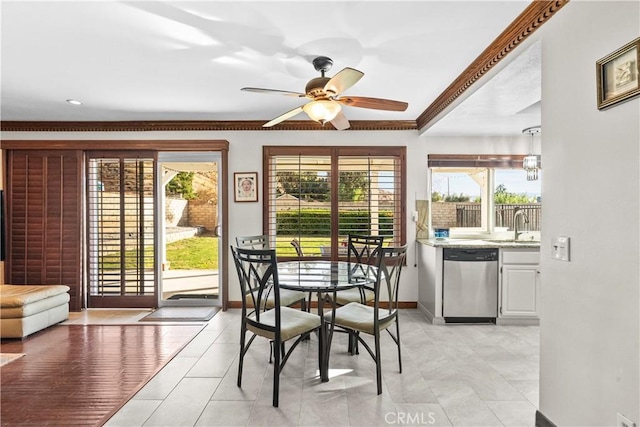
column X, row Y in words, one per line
column 181, row 314
column 82, row 374
column 6, row 358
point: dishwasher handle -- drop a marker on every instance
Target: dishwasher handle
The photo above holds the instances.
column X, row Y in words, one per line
column 482, row 254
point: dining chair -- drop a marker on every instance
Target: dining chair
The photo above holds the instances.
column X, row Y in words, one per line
column 296, row 245
column 258, row 275
column 287, row 297
column 260, row 241
column 363, row 250
column 356, row 317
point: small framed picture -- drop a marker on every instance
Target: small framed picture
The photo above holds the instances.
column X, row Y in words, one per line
column 617, row 75
column 245, row 185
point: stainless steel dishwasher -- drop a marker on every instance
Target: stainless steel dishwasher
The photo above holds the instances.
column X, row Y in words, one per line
column 470, row 285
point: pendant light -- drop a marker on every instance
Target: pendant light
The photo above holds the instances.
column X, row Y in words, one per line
column 530, row 162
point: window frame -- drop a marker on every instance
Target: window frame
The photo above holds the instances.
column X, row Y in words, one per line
column 334, row 153
column 490, row 163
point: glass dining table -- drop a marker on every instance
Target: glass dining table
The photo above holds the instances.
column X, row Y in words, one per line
column 324, row 278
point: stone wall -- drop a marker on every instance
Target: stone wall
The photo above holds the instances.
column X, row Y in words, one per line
column 176, row 212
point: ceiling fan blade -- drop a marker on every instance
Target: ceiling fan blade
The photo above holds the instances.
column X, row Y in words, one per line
column 373, row 103
column 340, row 122
column 283, row 117
column 342, row 81
column 274, row 91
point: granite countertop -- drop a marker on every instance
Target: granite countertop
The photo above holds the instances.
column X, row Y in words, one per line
column 479, row 243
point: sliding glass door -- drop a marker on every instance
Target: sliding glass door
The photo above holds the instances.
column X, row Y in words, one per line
column 189, row 224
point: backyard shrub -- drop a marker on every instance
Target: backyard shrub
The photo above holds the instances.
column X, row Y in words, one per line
column 317, row 222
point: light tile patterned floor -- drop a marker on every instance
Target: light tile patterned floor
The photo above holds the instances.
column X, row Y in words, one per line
column 460, row 375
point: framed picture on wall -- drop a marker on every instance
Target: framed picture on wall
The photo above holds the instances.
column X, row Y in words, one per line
column 617, row 75
column 245, row 186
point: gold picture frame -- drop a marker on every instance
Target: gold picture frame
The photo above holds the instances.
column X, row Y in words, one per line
column 245, row 186
column 617, row 75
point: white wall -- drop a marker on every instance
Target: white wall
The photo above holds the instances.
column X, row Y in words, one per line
column 245, row 155
column 590, row 322
column 498, row 144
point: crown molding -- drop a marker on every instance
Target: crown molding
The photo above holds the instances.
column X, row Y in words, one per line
column 537, row 13
column 532, row 18
column 183, row 125
column 121, row 144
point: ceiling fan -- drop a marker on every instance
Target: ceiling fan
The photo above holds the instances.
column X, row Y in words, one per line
column 326, row 104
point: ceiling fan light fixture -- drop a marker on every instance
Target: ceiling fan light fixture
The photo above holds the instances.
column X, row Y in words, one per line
column 324, row 92
column 322, row 111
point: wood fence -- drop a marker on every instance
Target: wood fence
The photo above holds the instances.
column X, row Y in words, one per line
column 469, row 215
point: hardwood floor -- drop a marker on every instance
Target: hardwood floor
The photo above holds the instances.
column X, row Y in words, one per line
column 82, row 374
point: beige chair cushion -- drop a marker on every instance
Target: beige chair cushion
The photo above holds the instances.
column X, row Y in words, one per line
column 23, row 326
column 293, row 323
column 359, row 317
column 21, row 295
column 34, row 307
column 25, row 309
column 287, row 298
column 353, row 295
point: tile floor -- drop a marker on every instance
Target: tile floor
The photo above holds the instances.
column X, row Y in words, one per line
column 460, row 375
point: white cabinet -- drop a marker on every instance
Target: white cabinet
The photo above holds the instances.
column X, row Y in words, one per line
column 519, row 284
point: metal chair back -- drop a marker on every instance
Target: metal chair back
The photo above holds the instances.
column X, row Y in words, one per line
column 260, row 241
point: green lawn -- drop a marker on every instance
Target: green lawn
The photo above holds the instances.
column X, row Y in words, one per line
column 310, row 245
column 201, row 252
column 195, row 253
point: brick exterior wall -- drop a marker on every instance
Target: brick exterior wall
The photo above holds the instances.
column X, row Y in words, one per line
column 203, row 215
column 443, row 214
column 109, row 214
column 178, row 213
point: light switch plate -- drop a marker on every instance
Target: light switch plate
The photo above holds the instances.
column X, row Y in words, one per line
column 560, row 248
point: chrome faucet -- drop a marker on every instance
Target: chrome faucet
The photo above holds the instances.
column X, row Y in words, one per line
column 517, row 214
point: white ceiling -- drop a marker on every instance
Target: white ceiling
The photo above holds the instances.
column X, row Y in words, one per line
column 148, row 60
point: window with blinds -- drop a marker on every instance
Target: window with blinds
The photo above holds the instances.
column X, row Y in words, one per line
column 121, row 230
column 316, row 197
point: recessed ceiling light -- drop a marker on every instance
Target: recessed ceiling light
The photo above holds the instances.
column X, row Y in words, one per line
column 74, row 102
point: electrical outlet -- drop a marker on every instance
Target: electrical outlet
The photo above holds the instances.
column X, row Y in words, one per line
column 622, row 421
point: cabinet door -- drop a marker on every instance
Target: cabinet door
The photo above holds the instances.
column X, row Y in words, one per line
column 520, row 291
